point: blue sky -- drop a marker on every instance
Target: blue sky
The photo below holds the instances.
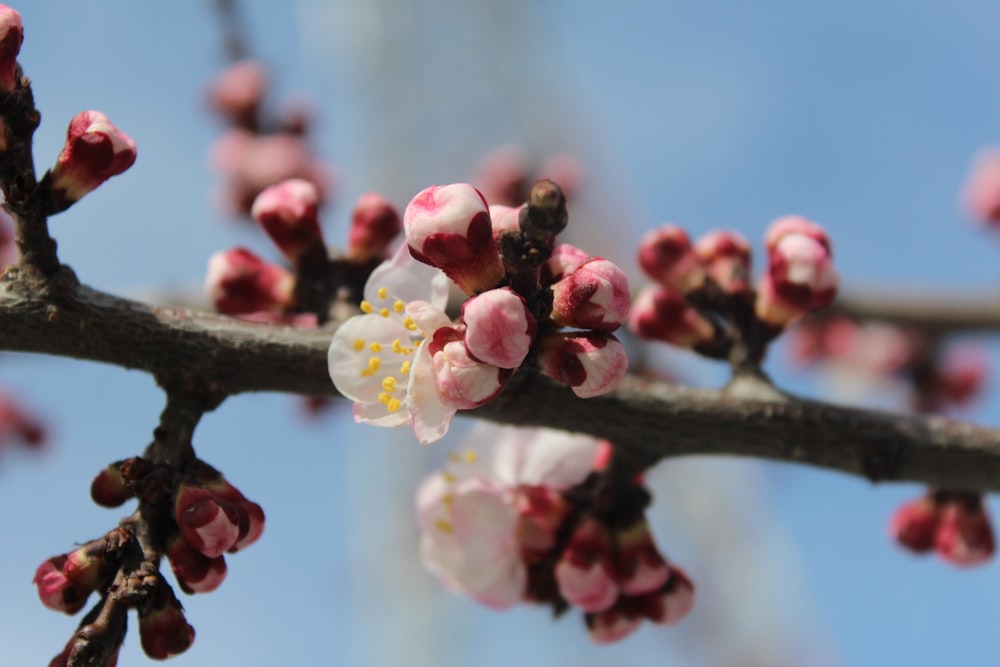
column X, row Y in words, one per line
column 863, row 116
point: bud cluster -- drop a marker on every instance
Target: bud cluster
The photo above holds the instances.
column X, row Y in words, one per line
column 405, row 361
column 529, row 515
column 201, row 516
column 242, row 284
column 705, row 300
column 256, row 152
column 954, row 524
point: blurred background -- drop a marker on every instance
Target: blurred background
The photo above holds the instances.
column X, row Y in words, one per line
column 862, row 116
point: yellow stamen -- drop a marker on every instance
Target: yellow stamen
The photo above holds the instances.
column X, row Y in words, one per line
column 453, row 457
column 384, row 312
column 375, row 347
column 405, row 368
column 444, row 526
column 359, row 344
column 409, row 323
column 448, row 500
column 470, row 456
column 389, row 383
column 394, row 404
column 366, row 307
column 399, row 306
column 448, row 477
column 383, row 292
column 374, row 363
column 384, row 398
column 397, row 346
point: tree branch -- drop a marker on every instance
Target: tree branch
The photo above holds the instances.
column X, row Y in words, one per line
column 934, row 312
column 648, row 420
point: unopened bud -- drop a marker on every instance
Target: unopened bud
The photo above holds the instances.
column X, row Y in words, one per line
column 288, row 212
column 65, row 582
column 448, row 226
column 195, row 572
column 499, row 327
column 163, row 629
column 964, row 535
column 239, row 282
column 592, row 363
column 209, row 524
column 594, row 296
column 110, row 488
column 666, row 256
column 374, row 224
column 462, row 381
column 545, row 215
column 95, row 150
column 11, row 38
column 800, row 275
column 585, row 571
column 725, row 254
column 238, row 90
column 661, row 313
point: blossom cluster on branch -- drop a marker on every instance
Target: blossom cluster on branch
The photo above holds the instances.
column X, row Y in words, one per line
column 477, row 307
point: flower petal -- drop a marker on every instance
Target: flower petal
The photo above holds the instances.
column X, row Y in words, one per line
column 350, row 355
column 431, row 417
column 408, row 280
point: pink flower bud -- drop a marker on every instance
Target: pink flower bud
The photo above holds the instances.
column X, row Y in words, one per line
column 591, row 363
column 585, row 569
column 726, row 257
column 288, row 212
column 463, row 382
column 613, row 624
column 163, row 630
column 238, row 90
column 505, row 219
column 64, row 582
column 195, row 572
column 499, row 327
column 964, row 535
column 594, row 296
column 801, row 276
column 209, row 524
column 109, row 488
column 449, row 227
column 374, row 224
column 253, row 527
column 672, row 603
column 565, row 259
column 11, row 37
column 95, row 150
column 915, row 524
column 664, row 314
column 981, row 194
column 666, row 256
column 540, row 513
column 240, row 282
column 639, row 567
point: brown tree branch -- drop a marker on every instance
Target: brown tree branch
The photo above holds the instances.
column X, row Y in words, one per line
column 647, row 420
column 936, row 313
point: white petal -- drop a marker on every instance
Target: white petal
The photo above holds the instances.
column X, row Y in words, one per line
column 377, row 414
column 408, row 280
column 346, row 363
column 558, row 460
column 428, row 317
column 431, row 417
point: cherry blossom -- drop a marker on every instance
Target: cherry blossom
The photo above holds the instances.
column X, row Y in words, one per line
column 381, row 359
column 475, row 515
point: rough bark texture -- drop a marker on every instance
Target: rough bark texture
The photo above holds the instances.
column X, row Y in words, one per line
column 222, row 356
